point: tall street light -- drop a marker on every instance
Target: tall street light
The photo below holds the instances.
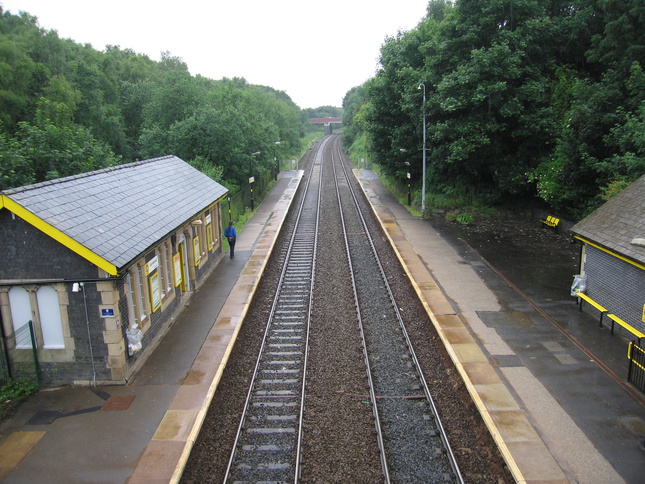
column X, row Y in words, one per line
column 409, row 177
column 423, row 190
column 275, row 159
column 251, row 180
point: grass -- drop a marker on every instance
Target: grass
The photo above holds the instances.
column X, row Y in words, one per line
column 460, row 209
column 13, row 394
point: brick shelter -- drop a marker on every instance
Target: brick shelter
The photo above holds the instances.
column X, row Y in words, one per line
column 102, row 262
column 613, row 256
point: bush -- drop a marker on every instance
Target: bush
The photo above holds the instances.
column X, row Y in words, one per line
column 13, row 394
column 465, row 218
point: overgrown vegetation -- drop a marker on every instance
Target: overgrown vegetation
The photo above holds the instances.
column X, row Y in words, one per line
column 538, row 101
column 13, row 394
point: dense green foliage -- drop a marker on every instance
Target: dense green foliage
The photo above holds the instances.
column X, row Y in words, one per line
column 13, row 393
column 67, row 108
column 525, row 99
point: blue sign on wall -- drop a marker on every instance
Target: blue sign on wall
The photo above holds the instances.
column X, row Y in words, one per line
column 107, row 313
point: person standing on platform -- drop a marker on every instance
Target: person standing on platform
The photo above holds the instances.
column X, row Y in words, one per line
column 231, row 234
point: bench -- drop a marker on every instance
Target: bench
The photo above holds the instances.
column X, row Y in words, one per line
column 551, row 221
column 583, row 297
column 628, row 327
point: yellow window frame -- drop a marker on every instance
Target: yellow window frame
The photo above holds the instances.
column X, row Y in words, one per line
column 209, row 236
column 155, row 289
column 197, row 251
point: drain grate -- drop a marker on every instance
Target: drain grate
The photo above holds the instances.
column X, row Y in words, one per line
column 118, row 402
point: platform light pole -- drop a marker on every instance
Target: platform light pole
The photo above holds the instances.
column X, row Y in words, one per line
column 408, row 176
column 423, row 189
column 251, row 180
column 275, row 159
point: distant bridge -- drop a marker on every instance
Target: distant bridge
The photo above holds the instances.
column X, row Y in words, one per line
column 327, row 122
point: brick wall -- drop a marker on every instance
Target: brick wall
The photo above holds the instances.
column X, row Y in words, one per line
column 617, row 285
column 24, row 246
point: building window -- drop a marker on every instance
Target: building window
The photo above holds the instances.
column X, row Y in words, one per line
column 51, row 324
column 168, row 266
column 209, row 236
column 197, row 250
column 209, row 232
column 177, row 263
column 161, row 271
column 48, row 306
column 131, row 298
column 155, row 291
column 20, row 315
column 140, row 292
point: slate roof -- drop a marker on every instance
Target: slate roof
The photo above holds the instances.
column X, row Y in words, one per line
column 119, row 212
column 616, row 223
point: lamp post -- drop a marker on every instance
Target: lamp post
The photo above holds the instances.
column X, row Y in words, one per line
column 275, row 159
column 409, row 177
column 251, row 180
column 423, row 189
column 409, row 180
column 230, row 216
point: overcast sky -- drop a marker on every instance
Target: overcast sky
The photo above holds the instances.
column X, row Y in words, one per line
column 314, row 51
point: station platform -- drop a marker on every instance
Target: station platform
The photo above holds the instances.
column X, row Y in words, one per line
column 557, row 412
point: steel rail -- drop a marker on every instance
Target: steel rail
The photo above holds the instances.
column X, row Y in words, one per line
column 377, row 420
column 426, row 390
column 250, row 459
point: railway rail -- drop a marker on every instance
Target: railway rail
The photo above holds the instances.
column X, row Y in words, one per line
column 413, row 445
column 333, row 388
column 416, row 448
column 267, row 444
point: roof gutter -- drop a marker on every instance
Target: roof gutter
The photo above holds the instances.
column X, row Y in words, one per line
column 24, row 282
column 610, row 252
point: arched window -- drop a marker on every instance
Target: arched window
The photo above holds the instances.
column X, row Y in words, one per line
column 50, row 321
column 20, row 315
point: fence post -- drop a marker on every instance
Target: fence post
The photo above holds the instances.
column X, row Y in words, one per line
column 5, row 364
column 34, row 349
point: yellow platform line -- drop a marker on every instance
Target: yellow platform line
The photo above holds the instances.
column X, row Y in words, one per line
column 17, row 446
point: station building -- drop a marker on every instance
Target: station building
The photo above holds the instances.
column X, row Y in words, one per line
column 613, row 259
column 101, row 263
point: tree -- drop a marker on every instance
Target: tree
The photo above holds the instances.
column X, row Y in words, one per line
column 525, row 99
column 15, row 170
column 55, row 147
column 67, row 108
column 16, row 71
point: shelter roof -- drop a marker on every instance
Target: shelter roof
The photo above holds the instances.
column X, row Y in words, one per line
column 618, row 222
column 111, row 216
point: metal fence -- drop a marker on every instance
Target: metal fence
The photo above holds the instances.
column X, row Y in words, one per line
column 636, row 355
column 22, row 362
column 236, row 206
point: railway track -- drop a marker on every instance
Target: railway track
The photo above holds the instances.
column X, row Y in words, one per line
column 267, row 444
column 415, row 445
column 412, row 443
